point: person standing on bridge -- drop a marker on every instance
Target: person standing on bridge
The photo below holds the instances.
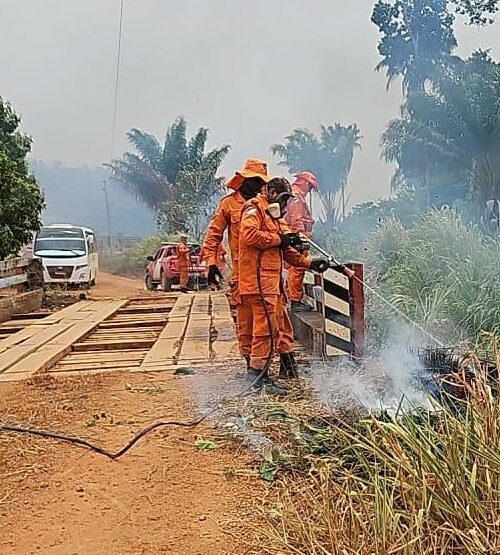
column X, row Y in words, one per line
column 245, row 185
column 300, row 220
column 183, row 262
column 264, row 244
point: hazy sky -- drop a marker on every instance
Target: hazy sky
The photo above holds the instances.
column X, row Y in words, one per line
column 251, row 71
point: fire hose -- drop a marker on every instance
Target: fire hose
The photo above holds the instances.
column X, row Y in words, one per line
column 113, row 455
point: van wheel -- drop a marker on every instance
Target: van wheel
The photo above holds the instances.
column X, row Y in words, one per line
column 150, row 286
column 166, row 283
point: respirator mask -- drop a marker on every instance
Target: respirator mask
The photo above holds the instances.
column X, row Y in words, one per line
column 278, row 202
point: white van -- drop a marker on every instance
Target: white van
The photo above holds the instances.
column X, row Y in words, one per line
column 68, row 253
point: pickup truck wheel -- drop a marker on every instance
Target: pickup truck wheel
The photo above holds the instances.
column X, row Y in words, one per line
column 166, row 283
column 150, row 286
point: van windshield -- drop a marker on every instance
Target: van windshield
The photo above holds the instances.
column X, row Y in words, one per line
column 56, row 247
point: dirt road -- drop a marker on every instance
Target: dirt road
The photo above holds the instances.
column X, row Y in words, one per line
column 111, row 286
column 165, row 496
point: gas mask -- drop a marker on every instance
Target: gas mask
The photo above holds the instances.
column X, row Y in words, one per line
column 277, row 207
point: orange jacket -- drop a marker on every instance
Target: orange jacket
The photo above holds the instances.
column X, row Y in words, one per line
column 227, row 216
column 259, row 233
column 183, row 255
column 298, row 215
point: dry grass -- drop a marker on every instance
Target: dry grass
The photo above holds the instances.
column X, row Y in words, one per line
column 414, row 484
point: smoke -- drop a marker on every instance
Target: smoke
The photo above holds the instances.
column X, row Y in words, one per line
column 391, row 381
column 221, row 387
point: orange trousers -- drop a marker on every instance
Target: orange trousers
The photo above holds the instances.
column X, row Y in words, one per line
column 253, row 328
column 183, row 276
column 295, row 283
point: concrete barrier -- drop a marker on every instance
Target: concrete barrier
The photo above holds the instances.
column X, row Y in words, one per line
column 20, row 303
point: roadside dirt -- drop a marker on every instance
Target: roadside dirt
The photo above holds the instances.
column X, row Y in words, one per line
column 119, row 287
column 166, row 496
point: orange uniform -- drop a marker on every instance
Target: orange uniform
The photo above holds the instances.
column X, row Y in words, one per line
column 300, row 220
column 183, row 261
column 260, row 287
column 227, row 216
column 221, row 258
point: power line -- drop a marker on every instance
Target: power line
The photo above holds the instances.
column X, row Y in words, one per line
column 117, row 78
column 113, row 127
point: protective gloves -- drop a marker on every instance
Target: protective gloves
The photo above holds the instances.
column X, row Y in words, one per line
column 290, row 240
column 214, row 275
column 319, row 265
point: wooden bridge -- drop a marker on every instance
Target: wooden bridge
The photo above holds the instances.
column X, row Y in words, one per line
column 143, row 334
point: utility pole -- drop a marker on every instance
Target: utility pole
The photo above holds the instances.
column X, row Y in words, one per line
column 108, row 217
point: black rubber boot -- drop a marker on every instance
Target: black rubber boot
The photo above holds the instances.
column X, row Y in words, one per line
column 288, row 366
column 184, row 290
column 260, row 381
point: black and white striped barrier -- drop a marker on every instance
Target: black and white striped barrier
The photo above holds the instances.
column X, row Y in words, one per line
column 337, row 313
column 340, row 301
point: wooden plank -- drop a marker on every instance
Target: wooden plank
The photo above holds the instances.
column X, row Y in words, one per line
column 95, row 366
column 47, row 334
column 111, row 345
column 145, row 310
column 196, row 344
column 117, row 325
column 30, row 315
column 19, row 337
column 47, row 354
column 182, row 306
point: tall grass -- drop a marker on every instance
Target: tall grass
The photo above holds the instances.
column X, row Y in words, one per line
column 440, row 272
column 413, row 485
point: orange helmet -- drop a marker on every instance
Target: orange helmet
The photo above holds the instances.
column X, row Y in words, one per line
column 309, row 178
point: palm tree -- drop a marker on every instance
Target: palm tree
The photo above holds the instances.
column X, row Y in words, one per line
column 329, row 157
column 447, row 142
column 156, row 174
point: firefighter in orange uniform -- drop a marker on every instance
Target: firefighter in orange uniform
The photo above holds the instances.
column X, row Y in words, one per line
column 245, row 184
column 183, row 261
column 264, row 244
column 300, row 220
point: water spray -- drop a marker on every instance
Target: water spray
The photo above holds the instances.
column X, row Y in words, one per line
column 334, row 263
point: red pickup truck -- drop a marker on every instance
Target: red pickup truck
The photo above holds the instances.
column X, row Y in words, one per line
column 163, row 268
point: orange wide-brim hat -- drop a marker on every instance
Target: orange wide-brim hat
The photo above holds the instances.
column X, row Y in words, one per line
column 252, row 168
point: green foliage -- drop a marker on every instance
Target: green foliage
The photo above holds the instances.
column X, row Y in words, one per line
column 328, row 156
column 21, row 198
column 441, row 272
column 133, row 262
column 447, row 143
column 195, row 190
column 177, row 180
column 416, row 35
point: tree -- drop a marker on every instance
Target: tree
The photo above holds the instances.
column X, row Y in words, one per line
column 195, row 193
column 447, row 142
column 418, row 35
column 163, row 176
column 329, row 157
column 21, row 197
